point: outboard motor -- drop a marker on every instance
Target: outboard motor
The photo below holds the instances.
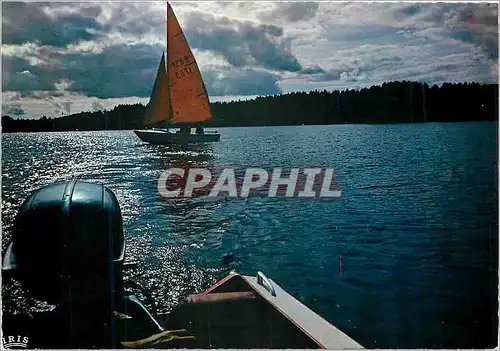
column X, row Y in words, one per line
column 68, row 249
column 68, row 244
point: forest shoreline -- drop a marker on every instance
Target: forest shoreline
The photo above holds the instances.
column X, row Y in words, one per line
column 389, row 103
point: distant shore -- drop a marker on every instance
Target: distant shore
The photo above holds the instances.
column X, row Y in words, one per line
column 389, row 103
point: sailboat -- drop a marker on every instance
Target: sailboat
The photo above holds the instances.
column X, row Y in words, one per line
column 179, row 95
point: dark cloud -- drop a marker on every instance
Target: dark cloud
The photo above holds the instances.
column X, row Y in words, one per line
column 313, row 70
column 292, row 11
column 242, row 43
column 13, row 109
column 318, row 74
column 353, row 70
column 256, row 52
column 24, row 22
column 327, row 76
column 129, row 70
column 471, row 23
column 482, row 24
column 476, row 24
column 19, row 75
column 221, row 81
column 322, row 75
column 118, row 71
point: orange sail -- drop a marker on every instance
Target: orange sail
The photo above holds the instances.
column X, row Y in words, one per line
column 158, row 108
column 188, row 96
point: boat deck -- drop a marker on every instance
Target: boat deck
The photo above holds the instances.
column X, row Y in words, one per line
column 254, row 312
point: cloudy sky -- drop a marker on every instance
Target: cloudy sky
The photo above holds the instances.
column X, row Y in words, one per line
column 60, row 58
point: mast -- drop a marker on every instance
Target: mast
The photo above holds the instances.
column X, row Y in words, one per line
column 166, row 51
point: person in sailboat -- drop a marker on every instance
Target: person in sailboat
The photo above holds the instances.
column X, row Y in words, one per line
column 199, row 130
column 184, row 130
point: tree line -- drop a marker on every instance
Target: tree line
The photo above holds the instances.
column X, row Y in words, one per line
column 394, row 102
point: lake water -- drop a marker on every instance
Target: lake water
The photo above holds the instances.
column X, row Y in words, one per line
column 416, row 225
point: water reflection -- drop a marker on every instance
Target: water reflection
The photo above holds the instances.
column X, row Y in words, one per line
column 172, row 228
column 413, row 238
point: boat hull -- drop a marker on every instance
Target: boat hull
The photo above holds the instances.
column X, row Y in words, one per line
column 164, row 137
column 254, row 312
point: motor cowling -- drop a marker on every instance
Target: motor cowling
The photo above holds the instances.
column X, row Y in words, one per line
column 68, row 244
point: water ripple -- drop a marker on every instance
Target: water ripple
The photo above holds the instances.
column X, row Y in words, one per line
column 416, row 226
